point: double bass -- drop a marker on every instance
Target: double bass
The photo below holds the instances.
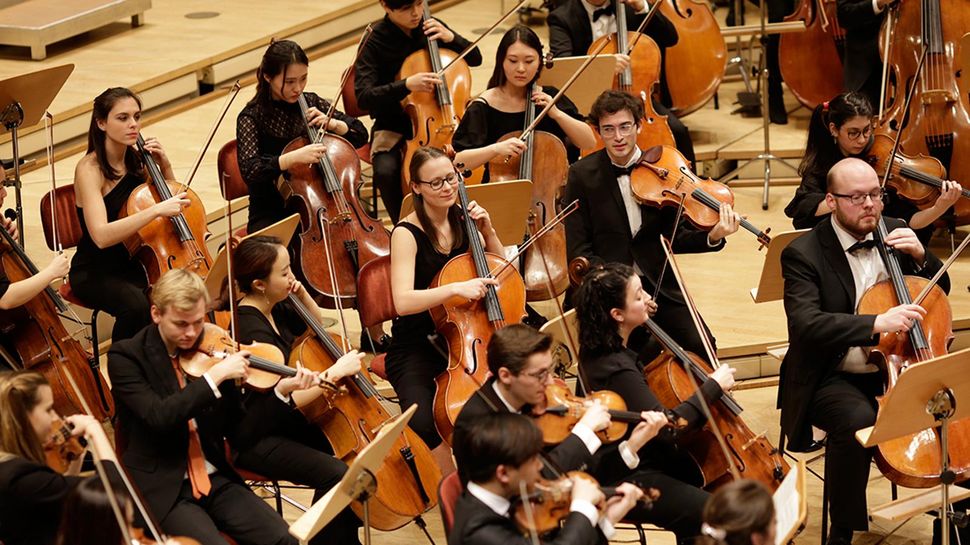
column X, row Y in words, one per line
column 811, row 61
column 699, row 57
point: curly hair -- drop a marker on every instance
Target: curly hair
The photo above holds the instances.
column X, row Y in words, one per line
column 602, row 290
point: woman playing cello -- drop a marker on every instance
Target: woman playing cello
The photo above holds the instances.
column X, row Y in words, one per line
column 421, row 244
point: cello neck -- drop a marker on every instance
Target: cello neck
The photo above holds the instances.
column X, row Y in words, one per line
column 182, row 229
column 525, row 160
column 330, row 179
column 917, row 337
column 477, row 251
column 625, row 78
column 441, row 89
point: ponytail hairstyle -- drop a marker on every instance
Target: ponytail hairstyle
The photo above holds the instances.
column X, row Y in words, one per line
column 822, row 150
column 518, row 33
column 420, row 158
column 103, row 105
column 253, row 260
column 277, row 58
column 735, row 512
column 603, row 289
column 19, row 395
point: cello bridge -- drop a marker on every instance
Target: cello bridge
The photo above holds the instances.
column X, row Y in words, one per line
column 937, row 96
column 753, row 440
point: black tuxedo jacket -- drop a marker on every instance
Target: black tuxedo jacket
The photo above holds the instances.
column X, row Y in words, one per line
column 861, row 55
column 600, row 231
column 153, row 415
column 476, row 524
column 822, row 323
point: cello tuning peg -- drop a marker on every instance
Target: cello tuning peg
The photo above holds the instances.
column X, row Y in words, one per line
column 548, row 61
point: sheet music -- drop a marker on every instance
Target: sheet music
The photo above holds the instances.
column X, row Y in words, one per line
column 788, row 502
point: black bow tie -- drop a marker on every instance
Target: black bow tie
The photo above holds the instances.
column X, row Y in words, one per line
column 622, row 171
column 606, row 11
column 861, row 245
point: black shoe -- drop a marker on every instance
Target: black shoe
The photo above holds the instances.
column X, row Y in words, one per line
column 379, row 346
column 838, row 541
column 839, row 536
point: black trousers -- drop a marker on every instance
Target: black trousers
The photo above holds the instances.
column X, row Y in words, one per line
column 231, row 508
column 118, row 291
column 680, row 508
column 412, row 370
column 843, row 404
column 304, row 460
column 387, row 178
column 681, row 135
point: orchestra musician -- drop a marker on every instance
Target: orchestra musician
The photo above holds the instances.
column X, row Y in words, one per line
column 103, row 276
column 500, row 109
column 861, row 59
column 610, row 305
column 839, row 128
column 611, row 226
column 393, row 39
column 741, row 512
column 421, row 244
column 498, row 454
column 88, row 518
column 32, row 494
column 576, row 24
column 826, row 380
column 173, row 430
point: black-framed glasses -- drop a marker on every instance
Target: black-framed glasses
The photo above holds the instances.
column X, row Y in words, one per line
column 623, row 129
column 438, row 183
column 853, row 134
column 859, row 198
column 541, row 376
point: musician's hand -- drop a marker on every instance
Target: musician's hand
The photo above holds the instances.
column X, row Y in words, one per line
column 728, row 223
column 347, row 365
column 434, row 30
column 950, row 194
column 637, row 5
column 481, row 217
column 724, row 375
column 906, row 241
column 583, row 489
column 899, row 318
column 627, row 496
column 473, row 289
column 82, row 424
column 11, row 226
column 543, row 99
column 423, row 82
column 307, row 155
column 314, row 116
column 155, row 147
column 302, row 380
column 233, row 367
column 647, row 429
column 172, row 206
column 652, row 306
column 596, row 416
column 58, row 267
column 622, row 62
column 510, row 147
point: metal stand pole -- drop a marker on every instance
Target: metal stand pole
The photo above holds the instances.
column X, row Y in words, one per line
column 13, row 116
column 364, row 489
column 942, row 406
column 738, row 59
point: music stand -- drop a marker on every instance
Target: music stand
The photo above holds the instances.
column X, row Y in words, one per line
column 791, row 505
column 23, row 101
column 771, row 286
column 924, row 397
column 597, row 78
column 507, row 204
column 358, row 484
column 282, row 230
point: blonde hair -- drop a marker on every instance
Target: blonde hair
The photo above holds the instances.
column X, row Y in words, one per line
column 179, row 288
column 18, row 397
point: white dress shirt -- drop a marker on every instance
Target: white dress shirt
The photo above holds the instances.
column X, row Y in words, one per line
column 607, row 25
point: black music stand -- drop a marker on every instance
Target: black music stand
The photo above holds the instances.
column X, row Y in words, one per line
column 23, row 101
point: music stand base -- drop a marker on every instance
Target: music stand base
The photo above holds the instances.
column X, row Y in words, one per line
column 364, row 489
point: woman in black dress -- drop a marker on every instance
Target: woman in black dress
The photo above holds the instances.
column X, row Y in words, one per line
column 421, row 244
column 31, row 493
column 103, row 276
column 610, row 304
column 840, row 128
column 500, row 109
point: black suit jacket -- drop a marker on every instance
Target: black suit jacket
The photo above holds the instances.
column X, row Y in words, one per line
column 153, row 415
column 822, row 323
column 861, row 55
column 599, row 230
column 476, row 524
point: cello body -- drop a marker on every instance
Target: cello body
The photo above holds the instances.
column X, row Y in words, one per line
column 698, row 58
column 811, row 61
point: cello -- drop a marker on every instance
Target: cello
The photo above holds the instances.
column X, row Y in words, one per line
column 163, row 244
column 408, row 477
column 467, row 325
column 811, row 61
column 434, row 116
column 338, row 236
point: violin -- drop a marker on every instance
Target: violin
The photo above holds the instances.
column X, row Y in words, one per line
column 663, row 178
column 547, row 505
column 434, row 116
column 811, row 61
column 408, row 478
column 563, row 410
column 698, row 58
column 41, row 342
column 546, row 164
column 467, row 325
column 177, row 242
column 917, row 178
column 337, row 235
column 62, row 447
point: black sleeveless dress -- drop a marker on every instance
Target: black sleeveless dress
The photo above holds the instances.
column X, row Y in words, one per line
column 108, row 279
column 413, row 361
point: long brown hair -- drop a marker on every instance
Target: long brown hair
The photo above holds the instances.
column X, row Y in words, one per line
column 96, row 137
column 18, row 397
column 420, row 158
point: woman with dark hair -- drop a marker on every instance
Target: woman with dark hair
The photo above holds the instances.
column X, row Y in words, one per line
column 272, row 119
column 421, row 244
column 840, row 128
column 103, row 276
column 500, row 109
column 32, row 494
column 739, row 513
column 610, row 304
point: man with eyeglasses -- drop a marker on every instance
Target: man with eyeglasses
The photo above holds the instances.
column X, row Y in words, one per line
column 612, row 226
column 826, row 378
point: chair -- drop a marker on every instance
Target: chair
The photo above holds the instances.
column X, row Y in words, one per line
column 231, row 183
column 449, row 490
column 255, row 480
column 375, row 305
column 351, row 108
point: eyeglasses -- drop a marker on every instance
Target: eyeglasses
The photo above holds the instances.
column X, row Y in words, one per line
column 859, row 198
column 541, row 376
column 625, row 129
column 438, row 183
column 853, row 134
